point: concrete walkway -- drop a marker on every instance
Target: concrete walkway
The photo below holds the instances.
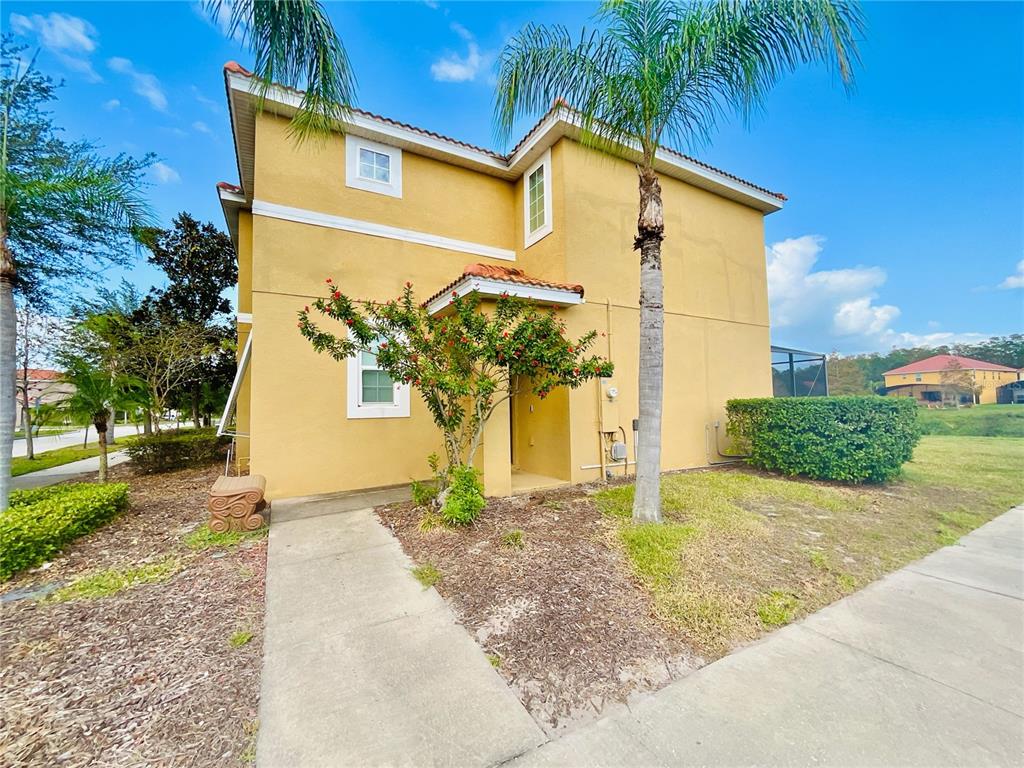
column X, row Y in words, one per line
column 68, row 471
column 925, row 667
column 361, row 665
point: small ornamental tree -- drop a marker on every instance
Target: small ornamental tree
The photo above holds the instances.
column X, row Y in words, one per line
column 465, row 362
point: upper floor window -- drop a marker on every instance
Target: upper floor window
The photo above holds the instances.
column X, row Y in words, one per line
column 372, row 166
column 372, row 393
column 537, row 200
column 917, row 377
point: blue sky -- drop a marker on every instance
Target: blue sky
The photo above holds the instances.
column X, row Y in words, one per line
column 905, row 219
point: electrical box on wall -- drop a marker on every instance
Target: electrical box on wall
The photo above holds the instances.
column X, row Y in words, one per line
column 609, row 406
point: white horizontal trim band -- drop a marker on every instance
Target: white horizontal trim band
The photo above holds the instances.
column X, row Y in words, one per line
column 302, row 216
column 245, row 317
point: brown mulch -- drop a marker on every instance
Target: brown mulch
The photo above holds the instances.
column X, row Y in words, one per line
column 562, row 618
column 146, row 676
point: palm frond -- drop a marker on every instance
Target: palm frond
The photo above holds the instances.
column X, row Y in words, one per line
column 295, row 44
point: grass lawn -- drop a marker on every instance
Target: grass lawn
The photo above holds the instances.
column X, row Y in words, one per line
column 59, row 456
column 979, row 421
column 742, row 552
column 576, row 606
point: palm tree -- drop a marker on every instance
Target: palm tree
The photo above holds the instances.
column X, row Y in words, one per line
column 295, row 44
column 96, row 394
column 656, row 72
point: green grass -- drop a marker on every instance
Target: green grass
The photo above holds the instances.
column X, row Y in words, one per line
column 203, row 538
column 978, row 421
column 112, row 581
column 240, row 638
column 513, row 539
column 740, row 551
column 427, row 575
column 495, row 660
column 60, row 456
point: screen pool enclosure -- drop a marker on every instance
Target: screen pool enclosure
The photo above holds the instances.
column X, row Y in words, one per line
column 798, row 373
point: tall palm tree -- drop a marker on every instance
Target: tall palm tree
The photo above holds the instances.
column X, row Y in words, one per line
column 295, row 44
column 96, row 394
column 659, row 71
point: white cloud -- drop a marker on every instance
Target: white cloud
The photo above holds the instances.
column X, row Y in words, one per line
column 432, row 4
column 70, row 39
column 206, row 101
column 165, row 174
column 1015, row 280
column 145, row 85
column 221, row 20
column 838, row 307
column 455, row 68
column 112, row 104
column 201, row 127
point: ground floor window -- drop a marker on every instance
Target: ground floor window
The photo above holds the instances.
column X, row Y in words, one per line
column 372, row 394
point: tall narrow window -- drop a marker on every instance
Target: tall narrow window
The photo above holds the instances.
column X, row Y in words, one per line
column 537, row 200
column 536, row 191
column 375, row 386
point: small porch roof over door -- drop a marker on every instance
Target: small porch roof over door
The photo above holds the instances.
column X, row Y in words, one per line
column 491, row 280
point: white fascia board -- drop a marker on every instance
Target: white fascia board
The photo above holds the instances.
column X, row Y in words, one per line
column 558, row 124
column 494, row 288
column 303, row 216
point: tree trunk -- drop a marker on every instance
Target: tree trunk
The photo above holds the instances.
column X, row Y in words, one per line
column 112, row 421
column 195, row 408
column 650, row 232
column 26, row 425
column 147, row 422
column 8, row 360
column 101, row 431
column 85, row 440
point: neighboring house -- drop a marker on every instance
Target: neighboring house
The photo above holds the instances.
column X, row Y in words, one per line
column 949, row 378
column 552, row 221
column 44, row 386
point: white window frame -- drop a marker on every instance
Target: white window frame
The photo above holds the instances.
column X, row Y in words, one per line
column 352, row 178
column 397, row 409
column 529, row 238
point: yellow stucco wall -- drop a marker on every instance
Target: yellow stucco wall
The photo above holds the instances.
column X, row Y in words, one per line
column 716, row 311
column 987, row 382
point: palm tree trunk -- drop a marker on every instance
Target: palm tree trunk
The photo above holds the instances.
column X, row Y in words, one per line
column 102, row 434
column 113, row 426
column 8, row 361
column 650, row 232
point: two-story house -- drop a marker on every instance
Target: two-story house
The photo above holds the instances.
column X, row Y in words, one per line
column 949, row 378
column 385, row 202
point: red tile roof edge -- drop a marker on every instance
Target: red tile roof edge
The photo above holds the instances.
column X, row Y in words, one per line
column 229, row 187
column 235, row 67
column 944, row 363
column 504, row 274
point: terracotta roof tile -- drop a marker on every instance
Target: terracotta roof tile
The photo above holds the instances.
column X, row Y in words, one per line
column 505, row 274
column 937, row 363
column 234, row 66
column 229, row 187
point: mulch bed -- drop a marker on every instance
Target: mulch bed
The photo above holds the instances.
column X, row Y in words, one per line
column 146, row 676
column 563, row 619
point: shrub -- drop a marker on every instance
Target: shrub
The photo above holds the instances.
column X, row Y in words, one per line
column 175, row 450
column 40, row 522
column 851, row 439
column 465, row 497
column 423, row 494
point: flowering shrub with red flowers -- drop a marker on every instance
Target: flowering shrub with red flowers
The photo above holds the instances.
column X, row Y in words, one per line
column 464, row 362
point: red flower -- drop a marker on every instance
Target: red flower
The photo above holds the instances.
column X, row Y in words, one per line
column 349, row 322
column 535, row 362
column 383, row 345
column 576, row 371
column 307, row 308
column 300, row 325
column 418, row 382
column 408, row 284
column 570, row 349
column 464, row 339
column 329, row 280
column 455, row 295
column 336, row 294
column 504, row 334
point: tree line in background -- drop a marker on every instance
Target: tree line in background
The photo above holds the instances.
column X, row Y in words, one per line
column 862, row 374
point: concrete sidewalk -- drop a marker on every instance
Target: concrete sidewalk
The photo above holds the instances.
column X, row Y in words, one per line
column 361, row 665
column 68, row 471
column 925, row 667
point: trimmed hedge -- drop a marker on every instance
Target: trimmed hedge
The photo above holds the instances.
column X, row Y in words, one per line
column 851, row 439
column 40, row 522
column 175, row 450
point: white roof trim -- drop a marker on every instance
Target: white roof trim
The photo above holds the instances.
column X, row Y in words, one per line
column 561, row 122
column 486, row 286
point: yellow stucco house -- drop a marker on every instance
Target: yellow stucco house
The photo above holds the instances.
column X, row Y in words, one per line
column 943, row 378
column 385, row 202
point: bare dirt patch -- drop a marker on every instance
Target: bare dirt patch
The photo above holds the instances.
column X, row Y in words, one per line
column 147, row 676
column 561, row 617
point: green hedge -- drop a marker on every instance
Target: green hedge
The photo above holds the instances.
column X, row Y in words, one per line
column 176, row 450
column 851, row 439
column 40, row 522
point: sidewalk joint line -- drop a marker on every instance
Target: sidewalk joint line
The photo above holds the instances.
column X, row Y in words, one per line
column 962, row 584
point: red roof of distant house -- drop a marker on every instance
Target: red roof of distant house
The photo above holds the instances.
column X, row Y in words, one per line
column 39, row 374
column 505, row 274
column 949, row 362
